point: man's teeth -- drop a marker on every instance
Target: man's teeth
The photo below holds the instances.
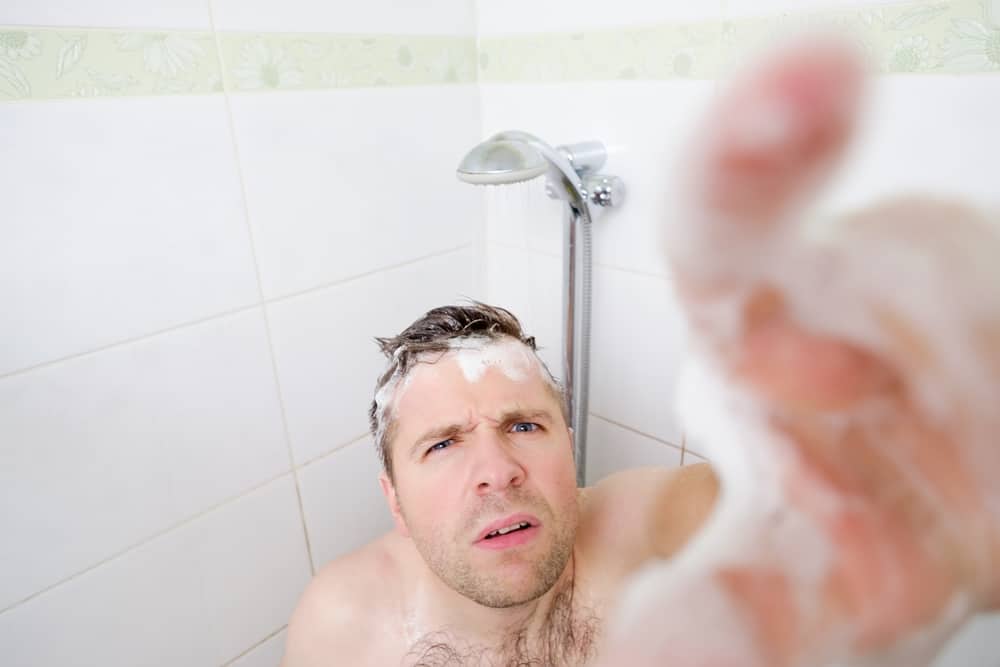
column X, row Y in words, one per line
column 504, row 531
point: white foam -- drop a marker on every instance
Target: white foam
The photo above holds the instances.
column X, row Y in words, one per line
column 475, row 355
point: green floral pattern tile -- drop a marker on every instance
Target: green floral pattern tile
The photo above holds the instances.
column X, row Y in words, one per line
column 45, row 63
column 258, row 62
column 657, row 52
column 39, row 63
column 956, row 37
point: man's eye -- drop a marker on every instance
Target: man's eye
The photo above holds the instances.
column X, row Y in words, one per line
column 439, row 446
column 525, row 427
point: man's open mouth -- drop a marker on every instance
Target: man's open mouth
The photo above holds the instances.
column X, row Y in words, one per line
column 513, row 530
column 509, row 529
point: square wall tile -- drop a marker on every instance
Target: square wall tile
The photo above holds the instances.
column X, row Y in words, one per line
column 268, row 654
column 434, row 17
column 694, row 447
column 325, row 350
column 690, row 458
column 611, row 448
column 636, row 351
column 183, row 14
column 103, row 451
column 346, row 182
column 931, row 135
column 121, row 217
column 974, row 644
column 198, row 595
column 343, row 502
column 510, row 17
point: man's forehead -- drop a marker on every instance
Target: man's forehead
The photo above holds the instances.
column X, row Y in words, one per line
column 490, row 373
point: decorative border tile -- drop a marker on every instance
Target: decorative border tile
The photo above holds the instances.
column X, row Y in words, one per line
column 938, row 37
column 927, row 36
column 657, row 52
column 46, row 63
column 289, row 61
column 953, row 37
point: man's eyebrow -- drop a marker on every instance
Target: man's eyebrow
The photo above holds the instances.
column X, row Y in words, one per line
column 523, row 415
column 437, row 433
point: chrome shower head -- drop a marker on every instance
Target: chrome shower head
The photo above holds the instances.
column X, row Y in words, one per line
column 500, row 162
column 514, row 156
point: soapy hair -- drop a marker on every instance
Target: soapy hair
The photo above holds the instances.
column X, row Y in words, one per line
column 437, row 332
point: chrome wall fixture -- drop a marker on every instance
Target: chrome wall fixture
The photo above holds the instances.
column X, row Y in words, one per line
column 572, row 174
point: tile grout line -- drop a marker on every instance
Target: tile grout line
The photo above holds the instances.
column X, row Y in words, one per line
column 130, row 340
column 525, row 247
column 260, row 286
column 182, row 522
column 366, row 274
column 638, row 432
column 146, row 540
column 227, row 313
column 330, row 452
column 241, row 93
column 257, row 645
column 601, row 265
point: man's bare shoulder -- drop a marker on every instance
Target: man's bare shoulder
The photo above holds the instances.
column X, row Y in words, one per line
column 644, row 513
column 344, row 607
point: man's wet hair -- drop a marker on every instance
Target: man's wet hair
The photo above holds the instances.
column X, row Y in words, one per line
column 435, row 332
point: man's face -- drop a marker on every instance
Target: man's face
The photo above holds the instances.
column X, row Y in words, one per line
column 480, row 439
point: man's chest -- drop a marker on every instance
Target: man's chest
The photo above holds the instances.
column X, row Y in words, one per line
column 568, row 637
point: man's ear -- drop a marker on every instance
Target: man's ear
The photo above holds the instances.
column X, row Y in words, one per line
column 389, row 491
column 572, row 439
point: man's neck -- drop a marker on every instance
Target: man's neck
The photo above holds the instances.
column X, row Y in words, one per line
column 438, row 608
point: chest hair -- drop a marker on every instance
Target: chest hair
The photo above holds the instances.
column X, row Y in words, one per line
column 568, row 639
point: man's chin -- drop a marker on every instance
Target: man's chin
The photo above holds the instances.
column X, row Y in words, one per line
column 505, row 599
column 505, row 586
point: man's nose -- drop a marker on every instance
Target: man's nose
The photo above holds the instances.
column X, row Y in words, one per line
column 497, row 468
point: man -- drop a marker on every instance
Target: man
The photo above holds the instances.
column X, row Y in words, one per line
column 498, row 557
column 857, row 516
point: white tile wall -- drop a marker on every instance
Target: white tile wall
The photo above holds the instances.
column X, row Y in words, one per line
column 148, row 231
column 105, row 450
column 439, row 17
column 692, row 458
column 512, row 17
column 611, row 448
column 324, row 345
column 121, row 217
column 199, row 595
column 975, row 645
column 694, row 446
column 332, row 197
column 922, row 134
column 637, row 345
column 529, row 284
column 181, row 14
column 343, row 502
column 268, row 654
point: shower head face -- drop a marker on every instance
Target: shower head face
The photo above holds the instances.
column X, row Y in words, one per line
column 501, row 161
